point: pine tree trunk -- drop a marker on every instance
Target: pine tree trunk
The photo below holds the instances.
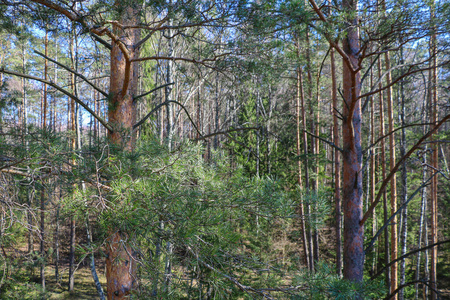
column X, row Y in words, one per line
column 393, row 183
column 305, row 152
column 434, row 157
column 98, row 285
column 373, row 172
column 352, row 153
column 422, row 220
column 73, row 145
column 383, row 176
column 44, row 127
column 337, row 169
column 311, row 231
column 301, row 210
column 168, row 90
column 58, row 208
column 120, row 263
column 404, row 195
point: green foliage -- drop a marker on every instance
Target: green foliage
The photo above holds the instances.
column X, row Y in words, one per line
column 324, row 284
column 16, row 283
column 207, row 214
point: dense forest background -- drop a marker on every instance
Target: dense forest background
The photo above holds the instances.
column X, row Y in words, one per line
column 224, row 149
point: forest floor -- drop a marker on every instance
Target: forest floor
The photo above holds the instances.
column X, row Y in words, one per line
column 25, row 277
column 25, row 272
column 84, row 284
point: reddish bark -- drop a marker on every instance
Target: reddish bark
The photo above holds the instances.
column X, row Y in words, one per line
column 351, row 141
column 352, row 155
column 120, row 264
column 120, row 267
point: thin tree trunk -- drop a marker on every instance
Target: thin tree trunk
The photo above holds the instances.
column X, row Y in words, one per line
column 168, row 88
column 393, row 183
column 24, row 122
column 422, row 220
column 57, row 276
column 316, row 147
column 44, row 127
column 98, row 285
column 337, row 169
column 42, row 238
column 311, row 230
column 383, row 175
column 305, row 152
column 404, row 195
column 258, row 137
column 434, row 157
column 73, row 145
column 301, row 210
column 373, row 172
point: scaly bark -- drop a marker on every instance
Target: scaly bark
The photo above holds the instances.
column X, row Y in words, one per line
column 120, row 263
column 352, row 153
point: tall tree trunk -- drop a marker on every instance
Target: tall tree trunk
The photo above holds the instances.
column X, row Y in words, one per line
column 24, row 117
column 393, row 183
column 305, row 152
column 434, row 155
column 383, row 176
column 58, row 208
column 317, row 170
column 44, row 127
column 168, row 88
column 73, row 147
column 422, row 219
column 373, row 171
column 311, row 230
column 404, row 180
column 352, row 153
column 258, row 134
column 301, row 210
column 120, row 263
column 337, row 168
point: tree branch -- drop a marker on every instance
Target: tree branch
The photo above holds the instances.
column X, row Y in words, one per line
column 372, row 241
column 394, row 170
column 324, row 140
column 225, row 132
column 103, row 122
column 396, row 129
column 406, row 255
column 390, row 296
column 158, row 107
column 152, row 90
column 74, row 72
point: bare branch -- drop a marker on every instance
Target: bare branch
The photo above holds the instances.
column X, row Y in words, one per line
column 100, row 119
column 324, row 140
column 158, row 107
column 408, row 254
column 225, row 132
column 152, row 90
column 74, row 72
column 394, row 170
